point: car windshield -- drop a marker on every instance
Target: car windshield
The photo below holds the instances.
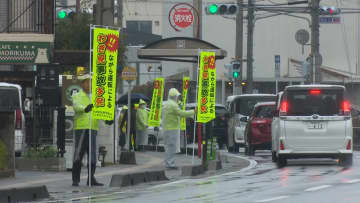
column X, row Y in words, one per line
column 9, row 98
column 245, row 106
column 307, row 103
column 265, row 111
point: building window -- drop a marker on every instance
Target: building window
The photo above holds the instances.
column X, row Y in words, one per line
column 139, row 26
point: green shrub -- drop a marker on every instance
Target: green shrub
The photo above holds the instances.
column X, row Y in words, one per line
column 41, row 152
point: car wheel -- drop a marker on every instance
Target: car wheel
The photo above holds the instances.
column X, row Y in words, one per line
column 281, row 161
column 273, row 156
column 346, row 160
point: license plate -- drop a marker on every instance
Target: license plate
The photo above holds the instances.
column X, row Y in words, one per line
column 316, row 125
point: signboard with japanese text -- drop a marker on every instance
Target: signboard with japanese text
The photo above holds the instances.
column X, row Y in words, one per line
column 184, row 97
column 156, row 103
column 24, row 52
column 129, row 73
column 207, row 87
column 105, row 51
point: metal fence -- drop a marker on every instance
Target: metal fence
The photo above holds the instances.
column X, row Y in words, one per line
column 33, row 16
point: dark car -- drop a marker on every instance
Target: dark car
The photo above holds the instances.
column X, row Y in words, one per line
column 220, row 125
column 258, row 128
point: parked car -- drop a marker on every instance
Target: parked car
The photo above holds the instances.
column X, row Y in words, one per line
column 312, row 121
column 11, row 100
column 240, row 106
column 258, row 128
column 219, row 128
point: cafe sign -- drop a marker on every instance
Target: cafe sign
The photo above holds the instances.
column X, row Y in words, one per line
column 24, row 52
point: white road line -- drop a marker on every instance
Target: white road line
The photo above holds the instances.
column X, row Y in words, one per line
column 251, row 165
column 317, row 188
column 273, row 199
column 353, row 181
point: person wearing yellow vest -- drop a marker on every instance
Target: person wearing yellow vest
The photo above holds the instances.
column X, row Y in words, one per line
column 141, row 125
column 171, row 125
column 123, row 127
column 82, row 107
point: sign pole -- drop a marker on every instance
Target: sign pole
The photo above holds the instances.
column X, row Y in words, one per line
column 129, row 114
column 90, row 81
column 195, row 117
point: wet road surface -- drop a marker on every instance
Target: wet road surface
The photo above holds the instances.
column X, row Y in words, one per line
column 315, row 180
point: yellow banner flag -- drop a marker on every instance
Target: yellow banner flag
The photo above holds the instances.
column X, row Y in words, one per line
column 207, row 87
column 184, row 97
column 104, row 64
column 156, row 103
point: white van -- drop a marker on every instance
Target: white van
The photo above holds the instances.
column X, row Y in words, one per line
column 312, row 121
column 11, row 99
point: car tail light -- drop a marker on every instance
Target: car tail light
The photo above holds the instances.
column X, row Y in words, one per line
column 282, row 146
column 284, row 107
column 18, row 119
column 315, row 92
column 348, row 145
column 345, row 105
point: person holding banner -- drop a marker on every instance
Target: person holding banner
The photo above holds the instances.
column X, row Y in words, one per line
column 171, row 125
column 82, row 107
column 141, row 126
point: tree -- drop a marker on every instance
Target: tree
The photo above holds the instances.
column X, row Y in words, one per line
column 73, row 33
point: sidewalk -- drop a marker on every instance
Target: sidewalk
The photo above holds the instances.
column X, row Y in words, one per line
column 59, row 183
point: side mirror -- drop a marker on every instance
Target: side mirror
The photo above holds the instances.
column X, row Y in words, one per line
column 244, row 119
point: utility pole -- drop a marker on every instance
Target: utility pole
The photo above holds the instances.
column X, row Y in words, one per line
column 197, row 33
column 120, row 13
column 315, row 45
column 237, row 89
column 250, row 38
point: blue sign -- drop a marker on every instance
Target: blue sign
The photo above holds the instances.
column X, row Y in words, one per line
column 277, row 58
column 277, row 66
column 329, row 19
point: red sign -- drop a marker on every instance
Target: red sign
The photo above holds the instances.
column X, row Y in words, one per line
column 183, row 17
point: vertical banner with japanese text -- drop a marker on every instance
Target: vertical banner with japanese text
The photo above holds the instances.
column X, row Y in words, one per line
column 104, row 63
column 156, row 103
column 184, row 97
column 207, row 87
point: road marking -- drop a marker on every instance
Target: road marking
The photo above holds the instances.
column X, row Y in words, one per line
column 273, row 199
column 317, row 188
column 251, row 165
column 353, row 181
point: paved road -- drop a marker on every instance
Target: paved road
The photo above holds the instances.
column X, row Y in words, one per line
column 317, row 180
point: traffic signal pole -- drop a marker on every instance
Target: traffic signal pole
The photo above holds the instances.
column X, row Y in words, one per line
column 315, row 44
column 250, row 38
column 237, row 88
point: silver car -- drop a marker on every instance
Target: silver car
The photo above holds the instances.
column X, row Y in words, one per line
column 312, row 121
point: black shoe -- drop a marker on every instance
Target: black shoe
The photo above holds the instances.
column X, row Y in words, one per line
column 95, row 183
column 75, row 184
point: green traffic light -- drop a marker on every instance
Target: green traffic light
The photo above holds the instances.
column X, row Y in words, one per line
column 235, row 74
column 62, row 14
column 213, row 8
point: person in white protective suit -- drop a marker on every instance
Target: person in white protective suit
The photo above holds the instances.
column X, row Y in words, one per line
column 171, row 126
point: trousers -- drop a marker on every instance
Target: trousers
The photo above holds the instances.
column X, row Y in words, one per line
column 82, row 146
column 170, row 139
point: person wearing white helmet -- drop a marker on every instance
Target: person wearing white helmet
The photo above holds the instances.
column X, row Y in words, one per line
column 171, row 125
column 141, row 125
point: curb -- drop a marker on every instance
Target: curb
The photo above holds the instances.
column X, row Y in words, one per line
column 130, row 179
column 23, row 194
